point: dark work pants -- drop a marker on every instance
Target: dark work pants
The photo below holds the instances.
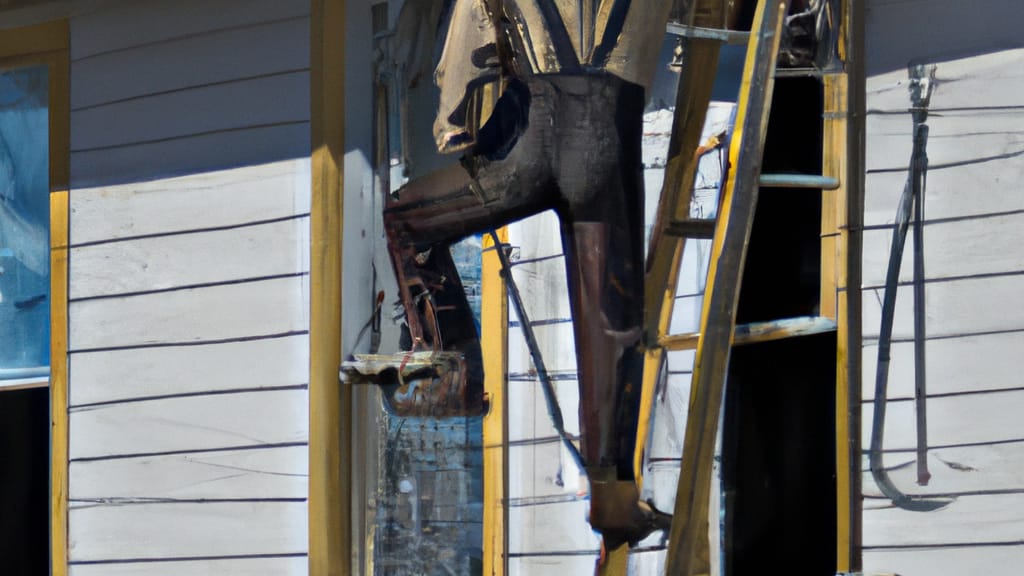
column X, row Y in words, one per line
column 568, row 143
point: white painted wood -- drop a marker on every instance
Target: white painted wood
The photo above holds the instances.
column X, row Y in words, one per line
column 552, row 565
column 228, row 55
column 136, row 373
column 543, row 277
column 975, row 161
column 991, row 561
column 990, row 138
column 957, row 307
column 961, row 248
column 969, row 519
column 123, row 25
column 555, row 341
column 661, row 480
column 189, row 155
column 217, row 198
column 195, row 315
column 532, row 419
column 189, row 259
column 668, row 426
column 186, row 530
column 557, row 527
column 296, row 566
column 187, row 92
column 987, row 362
column 686, row 312
column 260, row 473
column 543, row 470
column 219, row 107
column 190, row 423
column 955, row 471
column 899, row 32
column 953, row 420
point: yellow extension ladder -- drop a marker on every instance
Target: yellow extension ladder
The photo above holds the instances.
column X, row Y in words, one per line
column 688, row 546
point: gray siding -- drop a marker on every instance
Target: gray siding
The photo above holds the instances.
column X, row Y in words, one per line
column 974, row 214
column 169, row 88
column 189, row 267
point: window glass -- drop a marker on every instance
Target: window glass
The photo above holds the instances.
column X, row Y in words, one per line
column 24, row 223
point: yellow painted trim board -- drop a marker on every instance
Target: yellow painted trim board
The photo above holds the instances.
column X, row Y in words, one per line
column 48, row 37
column 848, row 280
column 330, row 423
column 834, row 249
column 59, row 382
column 60, row 159
column 494, row 343
column 47, row 45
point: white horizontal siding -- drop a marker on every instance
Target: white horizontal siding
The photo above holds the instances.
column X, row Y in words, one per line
column 225, row 312
column 228, row 474
column 988, row 560
column 189, row 288
column 980, row 246
column 668, row 418
column 190, row 423
column 544, row 470
column 288, row 566
column 216, row 113
column 532, row 419
column 177, row 64
column 552, row 565
column 211, row 199
column 549, row 528
column 125, row 25
column 263, row 101
column 166, row 262
column 966, row 470
column 955, row 365
column 555, row 340
column 155, row 531
column 954, row 420
column 953, row 308
column 968, row 520
column 110, row 376
column 189, row 154
column 973, row 210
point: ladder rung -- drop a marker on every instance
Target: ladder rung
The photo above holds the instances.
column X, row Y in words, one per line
column 758, row 332
column 799, row 72
column 815, row 181
column 732, row 37
column 691, row 228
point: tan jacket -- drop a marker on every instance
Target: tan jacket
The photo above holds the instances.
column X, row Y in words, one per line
column 621, row 37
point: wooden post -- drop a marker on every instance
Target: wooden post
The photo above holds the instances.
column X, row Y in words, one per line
column 330, row 423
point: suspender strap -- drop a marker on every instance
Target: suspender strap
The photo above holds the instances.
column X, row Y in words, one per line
column 554, row 27
column 613, row 28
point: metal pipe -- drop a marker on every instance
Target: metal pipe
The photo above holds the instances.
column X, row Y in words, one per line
column 812, row 181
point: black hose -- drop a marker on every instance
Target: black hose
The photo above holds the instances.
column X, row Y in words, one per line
column 910, row 196
column 554, row 410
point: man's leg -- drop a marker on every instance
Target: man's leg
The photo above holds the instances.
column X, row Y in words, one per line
column 601, row 181
column 508, row 178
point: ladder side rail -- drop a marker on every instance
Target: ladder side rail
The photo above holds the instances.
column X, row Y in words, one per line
column 687, row 548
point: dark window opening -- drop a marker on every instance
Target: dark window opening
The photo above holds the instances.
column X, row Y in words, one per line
column 778, row 452
column 24, row 481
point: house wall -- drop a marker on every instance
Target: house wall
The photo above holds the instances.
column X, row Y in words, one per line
column 974, row 214
column 189, row 268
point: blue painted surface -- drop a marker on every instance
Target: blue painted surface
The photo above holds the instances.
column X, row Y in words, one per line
column 24, row 219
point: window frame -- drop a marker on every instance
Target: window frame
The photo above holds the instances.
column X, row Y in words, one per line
column 47, row 45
